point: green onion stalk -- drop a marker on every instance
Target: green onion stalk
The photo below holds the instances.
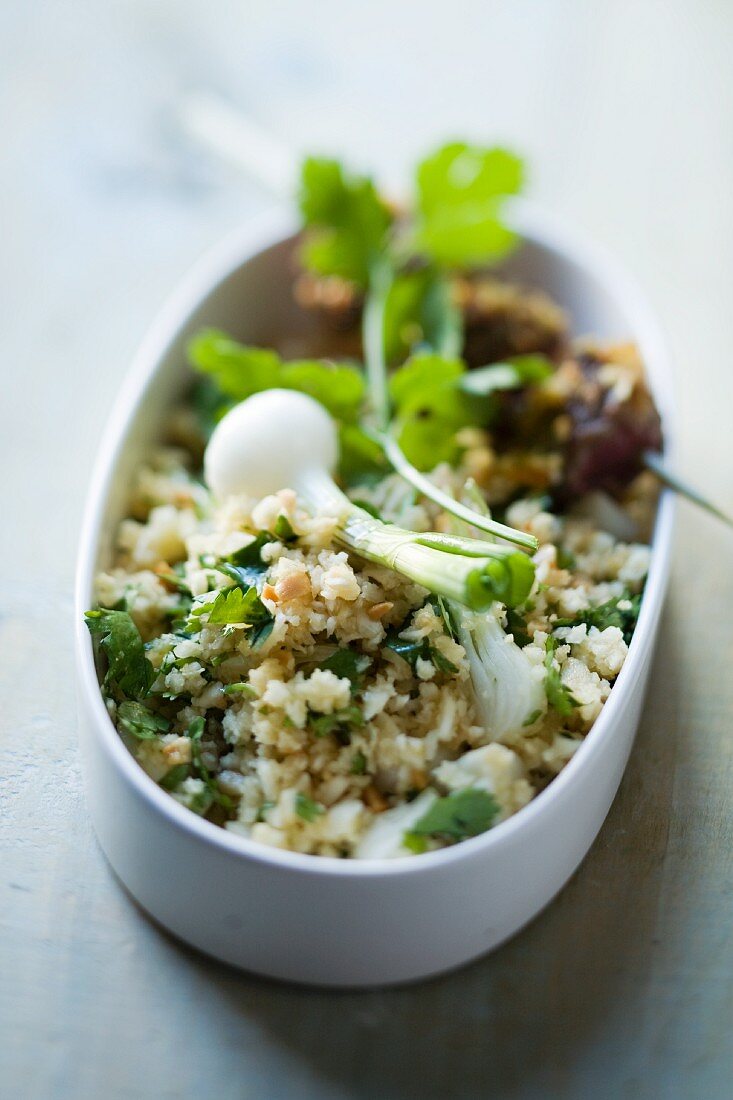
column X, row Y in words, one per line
column 280, row 438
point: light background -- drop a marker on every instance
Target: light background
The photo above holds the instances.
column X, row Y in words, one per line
column 625, row 112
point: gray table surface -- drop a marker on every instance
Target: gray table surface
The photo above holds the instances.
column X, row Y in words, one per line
column 624, row 987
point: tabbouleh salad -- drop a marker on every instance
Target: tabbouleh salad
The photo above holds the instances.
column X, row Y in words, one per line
column 402, row 656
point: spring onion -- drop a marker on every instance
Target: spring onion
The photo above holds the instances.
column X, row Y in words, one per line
column 509, row 692
column 281, row 438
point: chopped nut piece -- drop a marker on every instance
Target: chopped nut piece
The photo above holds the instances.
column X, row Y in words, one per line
column 161, row 569
column 293, row 586
column 379, row 610
column 178, row 751
column 374, row 799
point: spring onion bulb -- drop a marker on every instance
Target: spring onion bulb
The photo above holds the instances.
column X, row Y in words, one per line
column 283, row 439
column 508, row 688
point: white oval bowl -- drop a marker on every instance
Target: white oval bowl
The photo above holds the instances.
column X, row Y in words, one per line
column 322, row 920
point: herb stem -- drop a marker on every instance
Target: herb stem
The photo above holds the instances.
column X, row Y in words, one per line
column 423, row 484
column 373, row 317
column 380, row 282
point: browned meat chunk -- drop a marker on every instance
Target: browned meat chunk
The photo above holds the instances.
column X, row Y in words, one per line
column 503, row 319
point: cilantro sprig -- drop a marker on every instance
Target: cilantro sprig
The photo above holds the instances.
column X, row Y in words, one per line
column 401, row 262
column 348, row 221
column 461, row 193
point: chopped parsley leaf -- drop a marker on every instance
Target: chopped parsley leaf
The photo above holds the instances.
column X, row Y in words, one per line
column 141, row 722
column 246, row 566
column 412, row 651
column 306, row 808
column 461, row 191
column 284, row 529
column 517, row 627
column 175, row 777
column 128, row 669
column 195, row 733
column 458, row 815
column 340, row 723
column 237, row 605
column 347, row 664
column 358, row 763
column 558, row 695
column 243, row 689
column 621, row 611
column 258, row 634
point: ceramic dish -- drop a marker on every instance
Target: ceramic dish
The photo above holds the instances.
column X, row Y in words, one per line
column 324, row 920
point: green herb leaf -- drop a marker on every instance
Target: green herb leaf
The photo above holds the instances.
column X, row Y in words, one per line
column 425, row 441
column 422, row 380
column 176, row 578
column 239, row 370
column 441, row 662
column 417, row 844
column 441, row 608
column 245, row 566
column 347, row 664
column 412, row 651
column 306, row 808
column 558, row 695
column 259, row 634
column 609, row 614
column 213, row 794
column 460, row 814
column 284, row 529
column 141, row 722
column 460, row 195
column 420, row 314
column 347, row 221
column 429, row 408
column 238, row 605
column 245, row 690
column 358, row 763
column 517, row 627
column 196, row 729
column 337, row 386
column 361, row 459
column 340, row 722
column 128, row 669
column 173, row 778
